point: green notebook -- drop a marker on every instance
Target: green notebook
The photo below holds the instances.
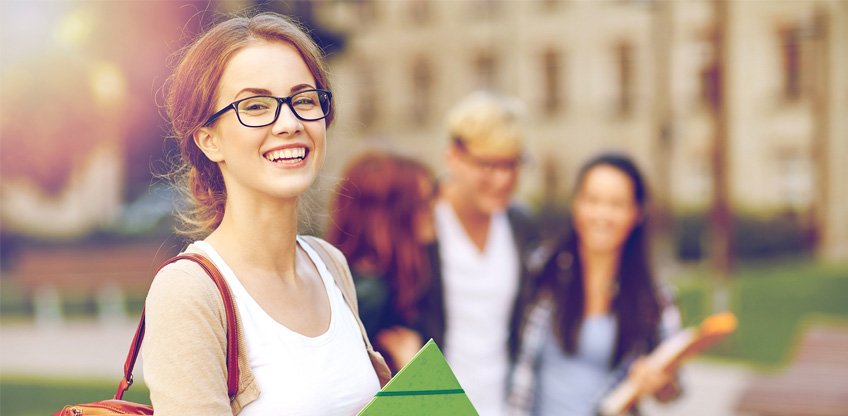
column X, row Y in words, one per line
column 425, row 386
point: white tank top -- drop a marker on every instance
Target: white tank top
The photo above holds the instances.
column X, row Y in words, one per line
column 329, row 374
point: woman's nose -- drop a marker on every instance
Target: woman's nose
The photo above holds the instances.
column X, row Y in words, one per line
column 287, row 122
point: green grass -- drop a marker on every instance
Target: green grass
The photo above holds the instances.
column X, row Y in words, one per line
column 32, row 396
column 773, row 303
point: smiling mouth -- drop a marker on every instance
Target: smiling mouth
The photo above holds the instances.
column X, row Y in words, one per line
column 287, row 156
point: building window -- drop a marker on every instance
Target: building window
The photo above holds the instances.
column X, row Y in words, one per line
column 626, row 85
column 368, row 112
column 422, row 89
column 794, row 178
column 552, row 69
column 710, row 82
column 791, row 50
column 485, row 71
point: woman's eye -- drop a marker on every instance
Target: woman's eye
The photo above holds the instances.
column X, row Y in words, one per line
column 256, row 105
column 304, row 102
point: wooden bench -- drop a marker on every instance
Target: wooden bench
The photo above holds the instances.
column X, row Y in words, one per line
column 815, row 384
column 103, row 271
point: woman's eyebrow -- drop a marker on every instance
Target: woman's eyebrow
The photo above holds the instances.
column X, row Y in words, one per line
column 301, row 87
column 255, row 91
column 263, row 91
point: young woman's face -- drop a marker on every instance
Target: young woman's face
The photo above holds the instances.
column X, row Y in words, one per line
column 605, row 209
column 280, row 160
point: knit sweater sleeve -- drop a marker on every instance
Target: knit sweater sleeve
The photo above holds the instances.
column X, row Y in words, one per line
column 184, row 348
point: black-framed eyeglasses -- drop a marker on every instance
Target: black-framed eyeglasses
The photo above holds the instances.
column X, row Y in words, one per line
column 263, row 110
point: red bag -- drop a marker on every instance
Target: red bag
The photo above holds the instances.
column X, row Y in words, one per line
column 117, row 406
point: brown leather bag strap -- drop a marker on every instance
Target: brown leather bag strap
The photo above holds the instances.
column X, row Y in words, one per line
column 232, row 330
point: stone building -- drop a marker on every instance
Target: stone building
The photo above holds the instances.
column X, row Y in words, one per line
column 637, row 76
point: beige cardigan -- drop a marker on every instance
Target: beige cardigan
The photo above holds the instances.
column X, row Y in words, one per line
column 184, row 348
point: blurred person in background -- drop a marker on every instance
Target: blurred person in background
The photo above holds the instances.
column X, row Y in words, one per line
column 596, row 311
column 250, row 103
column 483, row 238
column 382, row 220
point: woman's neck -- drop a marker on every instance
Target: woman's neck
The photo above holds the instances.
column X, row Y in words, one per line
column 600, row 270
column 261, row 236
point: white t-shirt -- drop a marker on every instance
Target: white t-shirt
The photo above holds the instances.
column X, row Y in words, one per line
column 479, row 290
column 330, row 374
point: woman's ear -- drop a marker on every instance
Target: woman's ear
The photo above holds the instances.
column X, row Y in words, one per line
column 209, row 143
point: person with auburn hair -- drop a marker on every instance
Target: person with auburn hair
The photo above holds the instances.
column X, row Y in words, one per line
column 484, row 239
column 382, row 220
column 250, row 103
column 596, row 311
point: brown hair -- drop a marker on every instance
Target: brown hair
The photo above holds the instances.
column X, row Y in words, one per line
column 191, row 92
column 374, row 222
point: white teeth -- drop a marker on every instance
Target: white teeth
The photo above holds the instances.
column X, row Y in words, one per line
column 288, row 153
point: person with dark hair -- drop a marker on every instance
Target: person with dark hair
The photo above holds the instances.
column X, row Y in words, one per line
column 250, row 103
column 596, row 310
column 382, row 220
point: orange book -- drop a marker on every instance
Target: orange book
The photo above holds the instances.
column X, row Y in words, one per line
column 668, row 356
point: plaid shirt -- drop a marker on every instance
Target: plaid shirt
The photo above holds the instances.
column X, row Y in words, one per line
column 521, row 399
column 522, row 393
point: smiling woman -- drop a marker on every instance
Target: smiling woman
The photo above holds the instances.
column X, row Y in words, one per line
column 260, row 131
column 250, row 103
column 194, row 96
column 596, row 311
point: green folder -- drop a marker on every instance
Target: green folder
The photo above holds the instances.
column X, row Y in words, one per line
column 425, row 386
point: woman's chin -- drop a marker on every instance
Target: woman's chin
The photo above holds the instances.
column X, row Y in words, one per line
column 600, row 246
column 294, row 186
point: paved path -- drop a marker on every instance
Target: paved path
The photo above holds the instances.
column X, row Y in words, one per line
column 77, row 349
column 710, row 389
column 90, row 349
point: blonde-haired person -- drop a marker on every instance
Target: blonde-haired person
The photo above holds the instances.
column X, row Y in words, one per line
column 483, row 239
column 250, row 104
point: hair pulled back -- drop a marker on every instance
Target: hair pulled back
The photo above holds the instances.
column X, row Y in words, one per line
column 191, row 93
